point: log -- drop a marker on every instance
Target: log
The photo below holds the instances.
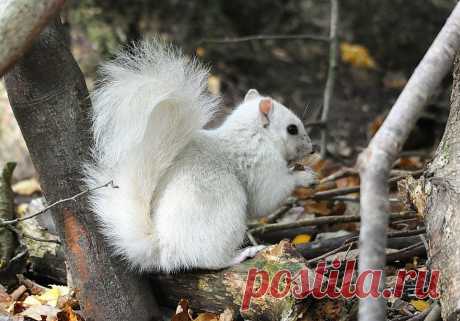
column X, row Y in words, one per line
column 216, row 290
column 49, row 98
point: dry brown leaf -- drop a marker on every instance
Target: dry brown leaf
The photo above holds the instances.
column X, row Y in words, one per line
column 182, row 311
column 410, row 163
column 227, row 315
column 303, row 192
column 67, row 314
column 317, row 207
column 375, row 125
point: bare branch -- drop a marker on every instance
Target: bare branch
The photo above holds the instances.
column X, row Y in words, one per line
column 265, row 37
column 64, row 200
column 21, row 21
column 323, row 220
column 329, row 90
column 376, row 161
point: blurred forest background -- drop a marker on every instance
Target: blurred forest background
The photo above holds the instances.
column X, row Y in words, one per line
column 380, row 43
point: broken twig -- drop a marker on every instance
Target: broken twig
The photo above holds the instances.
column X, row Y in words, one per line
column 61, row 201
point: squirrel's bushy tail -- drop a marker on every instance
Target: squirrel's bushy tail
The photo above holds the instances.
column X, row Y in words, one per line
column 147, row 106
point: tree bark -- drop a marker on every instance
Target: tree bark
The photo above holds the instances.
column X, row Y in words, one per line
column 50, row 102
column 442, row 188
column 376, row 161
column 20, row 23
column 217, row 290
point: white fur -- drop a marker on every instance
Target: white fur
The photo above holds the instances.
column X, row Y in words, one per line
column 184, row 192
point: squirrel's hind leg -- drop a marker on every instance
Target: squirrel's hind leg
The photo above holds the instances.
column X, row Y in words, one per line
column 246, row 253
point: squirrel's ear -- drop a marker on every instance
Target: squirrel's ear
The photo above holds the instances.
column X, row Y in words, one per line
column 251, row 94
column 266, row 110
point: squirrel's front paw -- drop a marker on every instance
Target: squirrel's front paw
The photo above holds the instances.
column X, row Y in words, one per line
column 306, row 178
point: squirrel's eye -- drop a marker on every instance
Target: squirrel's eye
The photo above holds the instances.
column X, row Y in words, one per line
column 292, row 130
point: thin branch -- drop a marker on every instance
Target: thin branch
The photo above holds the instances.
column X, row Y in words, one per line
column 329, row 90
column 335, row 192
column 20, row 23
column 264, row 37
column 72, row 198
column 251, row 238
column 343, row 172
column 322, row 221
column 376, row 161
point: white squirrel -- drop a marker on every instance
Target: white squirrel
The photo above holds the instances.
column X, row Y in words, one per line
column 185, row 192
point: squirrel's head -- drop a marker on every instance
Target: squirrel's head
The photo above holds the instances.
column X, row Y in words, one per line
column 283, row 127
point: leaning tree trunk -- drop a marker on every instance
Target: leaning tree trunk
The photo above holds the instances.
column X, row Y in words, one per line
column 442, row 194
column 50, row 102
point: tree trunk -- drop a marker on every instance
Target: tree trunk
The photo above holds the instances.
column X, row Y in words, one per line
column 50, row 102
column 442, row 198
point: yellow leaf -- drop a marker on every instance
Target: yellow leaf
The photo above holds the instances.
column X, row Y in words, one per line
column 420, row 305
column 26, row 187
column 301, row 239
column 21, row 209
column 52, row 295
column 357, row 55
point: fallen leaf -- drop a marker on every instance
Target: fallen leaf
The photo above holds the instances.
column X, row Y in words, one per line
column 227, row 315
column 37, row 311
column 317, row 207
column 301, row 239
column 420, row 305
column 410, row 163
column 27, row 187
column 357, row 56
column 207, row 317
column 67, row 314
column 182, row 312
column 303, row 192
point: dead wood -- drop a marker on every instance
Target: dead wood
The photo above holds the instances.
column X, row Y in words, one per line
column 216, row 290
